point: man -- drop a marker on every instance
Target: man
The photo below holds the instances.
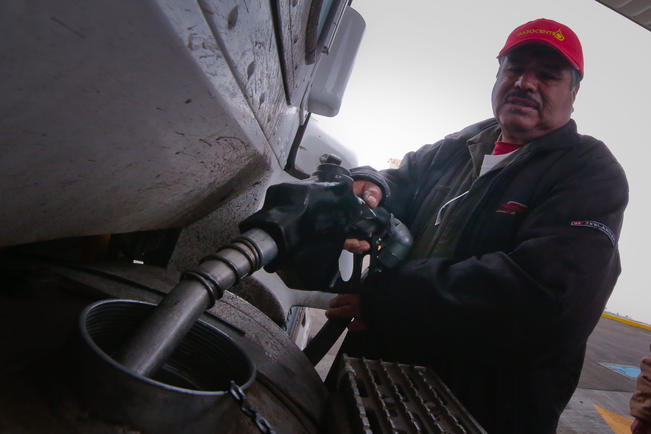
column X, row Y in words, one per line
column 515, row 223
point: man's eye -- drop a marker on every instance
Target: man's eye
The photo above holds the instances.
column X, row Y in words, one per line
column 548, row 76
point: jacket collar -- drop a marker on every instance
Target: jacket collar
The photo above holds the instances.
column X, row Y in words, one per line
column 484, row 142
column 558, row 138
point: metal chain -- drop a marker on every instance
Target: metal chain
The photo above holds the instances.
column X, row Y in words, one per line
column 238, row 394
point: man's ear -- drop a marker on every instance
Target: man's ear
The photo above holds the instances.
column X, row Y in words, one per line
column 575, row 91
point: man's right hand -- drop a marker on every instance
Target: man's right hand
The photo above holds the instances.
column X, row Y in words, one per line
column 372, row 195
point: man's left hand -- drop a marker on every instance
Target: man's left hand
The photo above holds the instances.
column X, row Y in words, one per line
column 347, row 306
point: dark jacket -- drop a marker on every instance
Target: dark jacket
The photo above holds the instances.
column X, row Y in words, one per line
column 504, row 319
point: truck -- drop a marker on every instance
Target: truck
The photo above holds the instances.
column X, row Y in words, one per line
column 135, row 137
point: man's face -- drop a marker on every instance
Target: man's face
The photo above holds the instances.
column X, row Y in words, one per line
column 532, row 95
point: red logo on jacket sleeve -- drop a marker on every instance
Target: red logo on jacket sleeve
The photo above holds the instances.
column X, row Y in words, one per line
column 512, row 208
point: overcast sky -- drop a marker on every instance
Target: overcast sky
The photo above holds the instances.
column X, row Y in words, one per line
column 426, row 68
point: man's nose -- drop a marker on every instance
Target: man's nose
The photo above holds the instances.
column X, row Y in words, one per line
column 526, row 80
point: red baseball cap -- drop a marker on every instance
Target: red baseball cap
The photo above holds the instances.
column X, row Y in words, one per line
column 552, row 33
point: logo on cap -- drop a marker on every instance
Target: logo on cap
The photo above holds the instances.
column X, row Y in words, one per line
column 557, row 34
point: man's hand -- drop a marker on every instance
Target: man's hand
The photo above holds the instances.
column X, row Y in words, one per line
column 372, row 195
column 347, row 306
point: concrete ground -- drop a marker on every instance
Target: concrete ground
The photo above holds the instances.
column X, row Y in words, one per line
column 600, row 403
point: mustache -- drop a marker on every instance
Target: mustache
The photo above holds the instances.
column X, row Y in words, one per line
column 523, row 95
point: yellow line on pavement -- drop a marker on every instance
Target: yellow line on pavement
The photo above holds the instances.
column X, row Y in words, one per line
column 618, row 423
column 626, row 321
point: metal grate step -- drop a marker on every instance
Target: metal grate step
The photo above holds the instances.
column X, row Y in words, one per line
column 385, row 397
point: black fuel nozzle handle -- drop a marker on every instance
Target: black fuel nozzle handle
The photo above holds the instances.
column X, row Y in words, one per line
column 310, row 220
column 389, row 239
column 372, row 224
column 390, row 242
